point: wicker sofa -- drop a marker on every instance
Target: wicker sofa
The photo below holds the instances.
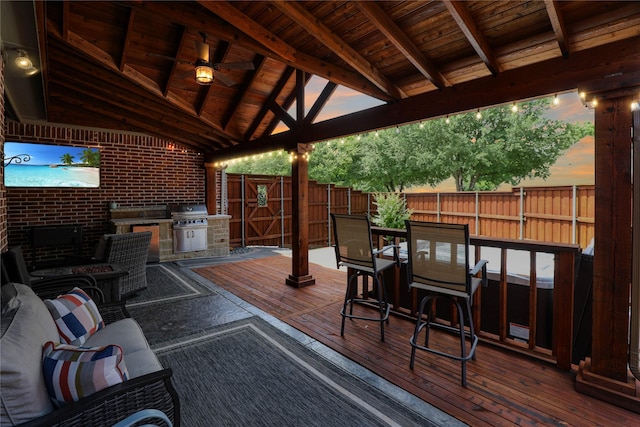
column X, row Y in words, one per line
column 27, row 325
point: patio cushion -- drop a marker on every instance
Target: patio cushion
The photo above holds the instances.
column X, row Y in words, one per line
column 71, row 373
column 25, row 328
column 76, row 316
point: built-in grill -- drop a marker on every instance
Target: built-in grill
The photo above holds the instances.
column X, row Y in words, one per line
column 189, row 227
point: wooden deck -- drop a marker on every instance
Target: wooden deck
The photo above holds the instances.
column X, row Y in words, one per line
column 503, row 388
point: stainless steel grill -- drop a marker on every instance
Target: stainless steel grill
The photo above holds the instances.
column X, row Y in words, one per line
column 189, row 228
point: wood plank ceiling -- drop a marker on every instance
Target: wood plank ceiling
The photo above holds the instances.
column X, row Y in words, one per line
column 109, row 64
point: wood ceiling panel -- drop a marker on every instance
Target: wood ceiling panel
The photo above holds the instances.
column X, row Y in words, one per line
column 111, row 40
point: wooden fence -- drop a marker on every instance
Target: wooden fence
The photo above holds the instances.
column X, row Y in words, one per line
column 260, row 209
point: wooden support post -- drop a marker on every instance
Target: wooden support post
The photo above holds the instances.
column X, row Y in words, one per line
column 300, row 220
column 211, row 188
column 605, row 375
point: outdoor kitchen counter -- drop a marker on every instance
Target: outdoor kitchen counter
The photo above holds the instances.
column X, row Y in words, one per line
column 137, row 221
column 217, row 235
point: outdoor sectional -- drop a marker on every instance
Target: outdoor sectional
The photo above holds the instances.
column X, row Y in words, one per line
column 27, row 324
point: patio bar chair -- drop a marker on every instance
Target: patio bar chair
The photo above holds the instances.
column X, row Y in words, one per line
column 354, row 250
column 439, row 264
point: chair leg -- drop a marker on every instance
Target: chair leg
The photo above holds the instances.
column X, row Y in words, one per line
column 463, row 347
column 416, row 331
column 472, row 331
column 348, row 299
column 381, row 304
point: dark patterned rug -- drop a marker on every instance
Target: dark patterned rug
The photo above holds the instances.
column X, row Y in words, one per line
column 248, row 373
column 165, row 283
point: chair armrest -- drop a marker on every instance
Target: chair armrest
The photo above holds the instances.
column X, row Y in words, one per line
column 114, row 403
column 396, row 252
column 481, row 266
column 52, row 291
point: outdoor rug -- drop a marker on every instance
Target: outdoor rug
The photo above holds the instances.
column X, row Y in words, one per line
column 166, row 283
column 248, row 373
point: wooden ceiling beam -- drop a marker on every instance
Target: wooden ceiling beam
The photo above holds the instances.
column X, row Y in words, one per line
column 335, row 44
column 282, row 81
column 288, row 102
column 403, row 43
column 111, row 117
column 127, row 39
column 258, row 62
column 559, row 28
column 89, row 50
column 467, row 24
column 274, row 47
column 536, row 80
column 319, row 104
column 174, row 64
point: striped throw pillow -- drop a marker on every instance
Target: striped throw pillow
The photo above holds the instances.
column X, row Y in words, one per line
column 71, row 373
column 76, row 316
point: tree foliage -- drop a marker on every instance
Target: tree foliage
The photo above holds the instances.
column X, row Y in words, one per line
column 502, row 146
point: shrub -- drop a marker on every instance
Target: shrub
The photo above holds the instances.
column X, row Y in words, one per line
column 392, row 210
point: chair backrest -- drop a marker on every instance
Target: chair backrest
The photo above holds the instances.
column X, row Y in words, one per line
column 14, row 266
column 130, row 251
column 439, row 254
column 353, row 244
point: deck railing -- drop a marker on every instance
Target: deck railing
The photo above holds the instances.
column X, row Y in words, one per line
column 529, row 311
column 527, row 308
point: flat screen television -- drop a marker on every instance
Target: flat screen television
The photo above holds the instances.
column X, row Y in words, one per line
column 43, row 165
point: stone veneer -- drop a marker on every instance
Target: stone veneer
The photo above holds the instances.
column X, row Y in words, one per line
column 123, row 220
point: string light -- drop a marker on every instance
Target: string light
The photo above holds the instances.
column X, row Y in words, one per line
column 556, row 100
column 421, row 125
column 478, row 115
column 447, row 120
column 514, row 108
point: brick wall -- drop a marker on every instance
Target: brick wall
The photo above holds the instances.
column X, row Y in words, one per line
column 135, row 170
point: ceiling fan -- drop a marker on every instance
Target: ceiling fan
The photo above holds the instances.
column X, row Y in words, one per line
column 204, row 70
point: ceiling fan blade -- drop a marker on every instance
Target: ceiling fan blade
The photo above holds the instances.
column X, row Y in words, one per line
column 169, row 58
column 227, row 81
column 234, row 66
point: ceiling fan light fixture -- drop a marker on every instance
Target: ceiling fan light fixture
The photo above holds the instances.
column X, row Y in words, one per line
column 23, row 61
column 204, row 73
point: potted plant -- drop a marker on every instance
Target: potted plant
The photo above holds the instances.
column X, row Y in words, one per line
column 392, row 212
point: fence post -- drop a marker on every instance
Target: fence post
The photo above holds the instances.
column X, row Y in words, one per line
column 329, row 213
column 242, row 208
column 521, row 213
column 438, row 206
column 349, row 200
column 477, row 214
column 574, row 214
column 282, row 211
column 369, row 204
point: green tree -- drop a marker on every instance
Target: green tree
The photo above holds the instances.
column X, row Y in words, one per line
column 273, row 163
column 501, row 146
column 90, row 157
column 66, row 159
column 479, row 153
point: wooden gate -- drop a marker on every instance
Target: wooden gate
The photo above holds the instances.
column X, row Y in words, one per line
column 264, row 204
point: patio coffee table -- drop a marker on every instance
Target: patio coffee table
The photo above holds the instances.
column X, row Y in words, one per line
column 107, row 276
